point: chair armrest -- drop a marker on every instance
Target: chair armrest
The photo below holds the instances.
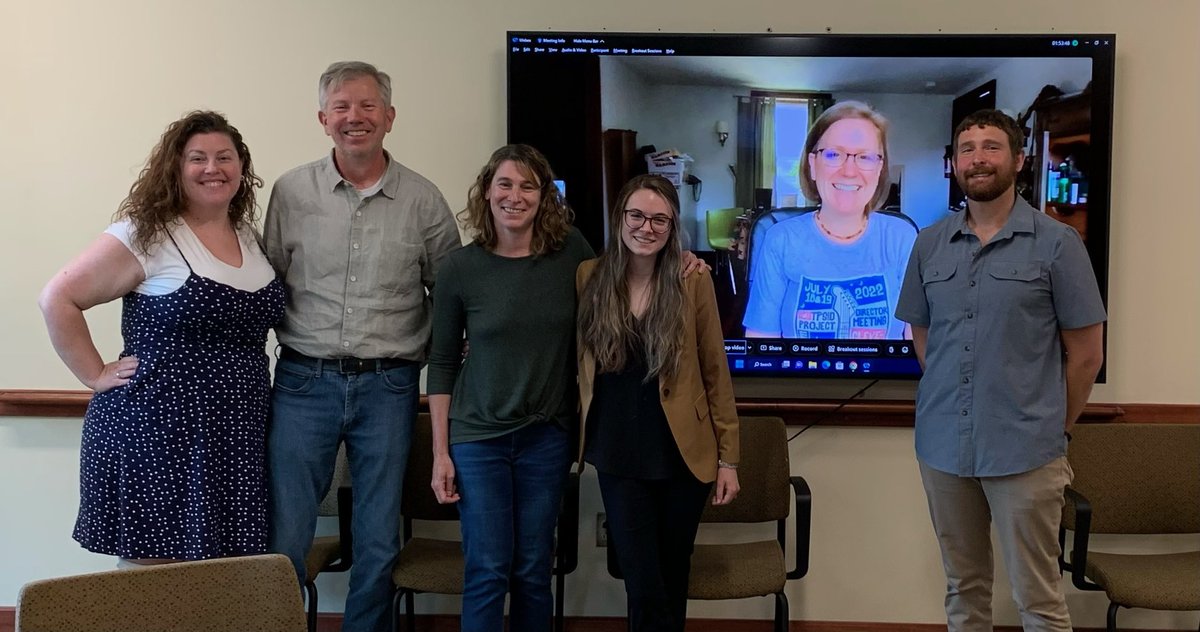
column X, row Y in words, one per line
column 1079, row 543
column 803, row 526
column 345, row 495
column 567, row 546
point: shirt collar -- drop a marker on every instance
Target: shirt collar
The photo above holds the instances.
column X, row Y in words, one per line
column 1020, row 220
column 331, row 178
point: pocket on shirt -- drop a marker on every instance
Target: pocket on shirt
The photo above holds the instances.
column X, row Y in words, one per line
column 941, row 288
column 1015, row 270
column 1019, row 285
column 400, row 269
column 938, row 272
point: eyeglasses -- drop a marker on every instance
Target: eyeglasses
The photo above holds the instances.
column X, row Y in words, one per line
column 636, row 219
column 834, row 158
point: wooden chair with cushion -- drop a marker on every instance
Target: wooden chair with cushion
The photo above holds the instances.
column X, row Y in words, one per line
column 430, row 565
column 1134, row 479
column 331, row 553
column 221, row 595
column 754, row 569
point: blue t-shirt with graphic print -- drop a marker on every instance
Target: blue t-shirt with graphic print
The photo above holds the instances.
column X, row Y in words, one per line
column 806, row 286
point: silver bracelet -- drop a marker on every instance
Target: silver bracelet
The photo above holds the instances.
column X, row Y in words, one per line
column 728, row 466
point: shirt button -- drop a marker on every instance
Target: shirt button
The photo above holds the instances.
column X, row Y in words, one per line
column 964, row 412
column 967, row 348
column 358, row 213
column 966, row 380
column 346, row 343
column 935, row 273
column 970, row 315
column 355, row 246
column 353, row 278
column 972, row 284
column 349, row 310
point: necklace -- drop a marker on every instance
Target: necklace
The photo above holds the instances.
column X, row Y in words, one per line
column 841, row 237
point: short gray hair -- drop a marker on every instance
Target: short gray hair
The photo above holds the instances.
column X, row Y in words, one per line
column 341, row 71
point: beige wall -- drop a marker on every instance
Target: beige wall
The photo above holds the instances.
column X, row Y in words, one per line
column 90, row 86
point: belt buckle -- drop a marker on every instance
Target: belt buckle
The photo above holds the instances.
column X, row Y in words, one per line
column 360, row 365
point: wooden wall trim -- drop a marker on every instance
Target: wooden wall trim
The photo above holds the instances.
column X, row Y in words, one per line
column 896, row 413
column 43, row 403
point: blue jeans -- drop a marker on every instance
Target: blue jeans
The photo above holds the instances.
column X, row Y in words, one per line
column 511, row 488
column 312, row 410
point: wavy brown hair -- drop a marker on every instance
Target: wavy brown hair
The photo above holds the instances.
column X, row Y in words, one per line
column 553, row 220
column 156, row 198
column 606, row 324
column 845, row 110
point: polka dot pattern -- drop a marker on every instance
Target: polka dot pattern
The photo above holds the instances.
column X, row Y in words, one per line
column 173, row 463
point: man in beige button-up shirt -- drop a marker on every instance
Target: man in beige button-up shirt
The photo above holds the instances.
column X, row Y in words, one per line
column 357, row 238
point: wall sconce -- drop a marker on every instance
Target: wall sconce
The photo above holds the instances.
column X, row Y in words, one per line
column 722, row 132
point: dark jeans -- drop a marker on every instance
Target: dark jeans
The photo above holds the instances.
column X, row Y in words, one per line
column 511, row 488
column 652, row 524
column 313, row 408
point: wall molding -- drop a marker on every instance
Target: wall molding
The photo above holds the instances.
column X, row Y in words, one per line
column 332, row 622
column 895, row 413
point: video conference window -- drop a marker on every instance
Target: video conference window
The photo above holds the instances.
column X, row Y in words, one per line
column 807, row 178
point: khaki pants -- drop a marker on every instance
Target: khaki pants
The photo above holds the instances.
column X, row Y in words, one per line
column 1026, row 510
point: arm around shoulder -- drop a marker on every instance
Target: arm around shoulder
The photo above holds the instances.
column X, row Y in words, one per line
column 441, row 235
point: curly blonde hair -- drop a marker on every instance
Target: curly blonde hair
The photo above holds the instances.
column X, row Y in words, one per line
column 553, row 220
column 156, row 198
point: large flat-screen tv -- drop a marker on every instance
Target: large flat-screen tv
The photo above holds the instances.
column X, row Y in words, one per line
column 726, row 118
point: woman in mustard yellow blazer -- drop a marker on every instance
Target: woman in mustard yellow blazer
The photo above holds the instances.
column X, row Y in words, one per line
column 659, row 422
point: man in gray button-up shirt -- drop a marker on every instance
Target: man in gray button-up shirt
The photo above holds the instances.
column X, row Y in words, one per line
column 1007, row 321
column 357, row 238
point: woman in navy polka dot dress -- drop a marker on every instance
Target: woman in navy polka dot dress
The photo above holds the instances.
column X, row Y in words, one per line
column 172, row 462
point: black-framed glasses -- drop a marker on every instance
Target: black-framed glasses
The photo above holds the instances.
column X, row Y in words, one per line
column 834, row 158
column 635, row 219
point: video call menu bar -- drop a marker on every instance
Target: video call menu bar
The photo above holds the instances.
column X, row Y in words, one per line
column 877, row 358
column 588, row 45
column 755, row 44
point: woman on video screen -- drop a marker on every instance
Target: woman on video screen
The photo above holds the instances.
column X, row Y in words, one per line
column 835, row 272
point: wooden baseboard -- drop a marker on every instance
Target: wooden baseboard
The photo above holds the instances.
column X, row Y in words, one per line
column 332, row 622
column 329, row 622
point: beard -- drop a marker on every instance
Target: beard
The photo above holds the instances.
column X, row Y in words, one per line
column 1002, row 180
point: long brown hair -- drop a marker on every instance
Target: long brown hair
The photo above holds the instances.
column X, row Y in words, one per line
column 606, row 324
column 553, row 220
column 157, row 198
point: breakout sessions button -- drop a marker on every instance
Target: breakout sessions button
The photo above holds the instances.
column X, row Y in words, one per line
column 852, row 348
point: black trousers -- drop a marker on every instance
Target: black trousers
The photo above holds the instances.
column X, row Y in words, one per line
column 652, row 526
